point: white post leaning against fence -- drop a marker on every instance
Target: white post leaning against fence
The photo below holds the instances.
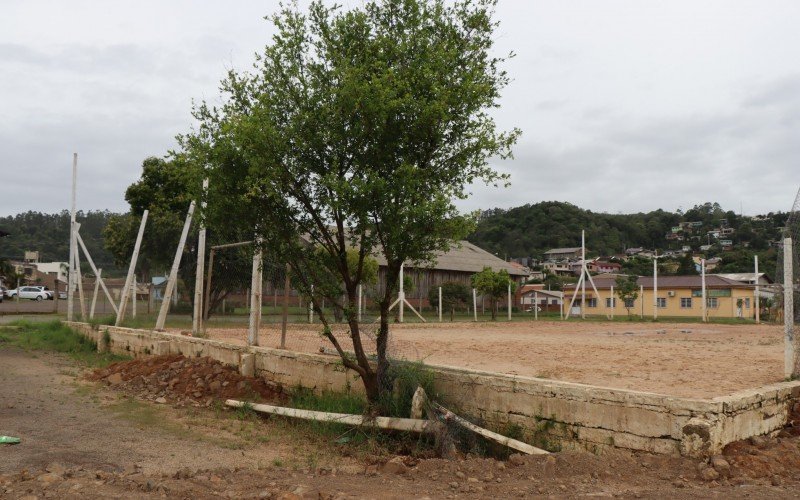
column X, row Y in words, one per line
column 791, row 368
column 173, row 274
column 72, row 244
column 255, row 298
column 536, row 305
column 613, row 302
column 655, row 287
column 123, row 303
column 440, row 304
column 95, row 271
column 79, row 276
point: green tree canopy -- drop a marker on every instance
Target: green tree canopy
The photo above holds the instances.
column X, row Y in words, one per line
column 356, row 130
column 495, row 284
column 454, row 295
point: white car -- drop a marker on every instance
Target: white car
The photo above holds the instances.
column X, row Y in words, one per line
column 45, row 290
column 30, row 292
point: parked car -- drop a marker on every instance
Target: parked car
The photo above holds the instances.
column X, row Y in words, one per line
column 2, row 293
column 30, row 292
column 45, row 290
column 62, row 295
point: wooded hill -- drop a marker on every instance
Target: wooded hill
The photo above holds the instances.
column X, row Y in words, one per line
column 530, row 230
column 49, row 235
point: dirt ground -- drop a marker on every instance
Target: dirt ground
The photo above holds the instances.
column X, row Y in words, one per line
column 680, row 359
column 83, row 439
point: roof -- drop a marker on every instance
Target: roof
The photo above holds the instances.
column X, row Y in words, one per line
column 690, row 281
column 465, row 257
column 745, row 277
column 548, row 293
column 563, row 250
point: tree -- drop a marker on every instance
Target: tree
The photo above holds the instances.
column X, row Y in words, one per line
column 454, row 295
column 494, row 284
column 357, row 130
column 686, row 265
column 627, row 289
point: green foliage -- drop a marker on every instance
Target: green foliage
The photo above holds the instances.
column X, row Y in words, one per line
column 454, row 295
column 494, row 284
column 627, row 289
column 406, row 377
column 57, row 337
column 49, row 235
column 357, row 130
column 530, row 230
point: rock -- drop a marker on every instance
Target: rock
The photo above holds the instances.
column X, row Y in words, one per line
column 472, row 480
column 56, row 468
column 215, row 386
column 516, row 459
column 776, row 480
column 197, row 394
column 709, row 474
column 161, row 400
column 49, row 478
column 454, row 485
column 759, row 442
column 721, row 466
column 395, row 466
column 114, row 379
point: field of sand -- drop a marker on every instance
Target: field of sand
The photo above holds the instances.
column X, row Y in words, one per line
column 690, row 360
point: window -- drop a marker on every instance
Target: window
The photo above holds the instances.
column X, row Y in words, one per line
column 712, row 302
column 747, row 302
column 591, row 303
column 611, row 302
column 686, row 302
column 554, row 301
column 628, row 302
column 661, row 302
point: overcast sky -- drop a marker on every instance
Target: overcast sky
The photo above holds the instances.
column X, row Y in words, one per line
column 624, row 105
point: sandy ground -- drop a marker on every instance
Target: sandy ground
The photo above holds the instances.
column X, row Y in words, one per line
column 690, row 360
column 81, row 440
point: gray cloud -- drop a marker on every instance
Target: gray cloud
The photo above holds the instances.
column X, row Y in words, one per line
column 624, row 105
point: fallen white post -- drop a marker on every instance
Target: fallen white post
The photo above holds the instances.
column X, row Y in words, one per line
column 173, row 274
column 123, row 303
column 391, row 423
column 492, row 436
column 96, row 271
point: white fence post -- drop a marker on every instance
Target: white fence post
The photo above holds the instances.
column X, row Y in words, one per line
column 475, row 304
column 440, row 304
column 169, row 290
column 789, row 348
column 255, row 298
column 123, row 303
column 509, row 301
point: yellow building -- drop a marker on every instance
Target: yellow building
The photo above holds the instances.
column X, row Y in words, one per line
column 678, row 296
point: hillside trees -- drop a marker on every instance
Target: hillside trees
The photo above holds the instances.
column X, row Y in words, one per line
column 356, row 130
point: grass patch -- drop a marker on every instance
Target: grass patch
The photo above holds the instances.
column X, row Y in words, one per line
column 54, row 336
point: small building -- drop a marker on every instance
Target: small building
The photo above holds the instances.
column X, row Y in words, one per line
column 530, row 296
column 59, row 269
column 569, row 253
column 678, row 296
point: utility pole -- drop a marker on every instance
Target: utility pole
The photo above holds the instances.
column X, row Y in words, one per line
column 72, row 246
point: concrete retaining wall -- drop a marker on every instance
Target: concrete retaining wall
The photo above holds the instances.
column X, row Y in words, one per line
column 551, row 413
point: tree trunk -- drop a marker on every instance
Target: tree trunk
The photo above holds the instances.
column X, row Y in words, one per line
column 383, row 382
column 494, row 309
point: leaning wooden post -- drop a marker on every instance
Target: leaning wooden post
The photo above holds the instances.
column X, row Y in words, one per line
column 791, row 368
column 255, row 297
column 95, row 270
column 440, row 304
column 123, row 303
column 287, row 283
column 72, row 245
column 173, row 274
column 96, row 291
column 197, row 306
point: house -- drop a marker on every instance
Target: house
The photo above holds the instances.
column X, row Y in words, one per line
column 558, row 268
column 634, row 251
column 59, row 269
column 545, row 300
column 766, row 291
column 678, row 296
column 604, row 267
column 569, row 253
column 726, row 244
column 457, row 264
